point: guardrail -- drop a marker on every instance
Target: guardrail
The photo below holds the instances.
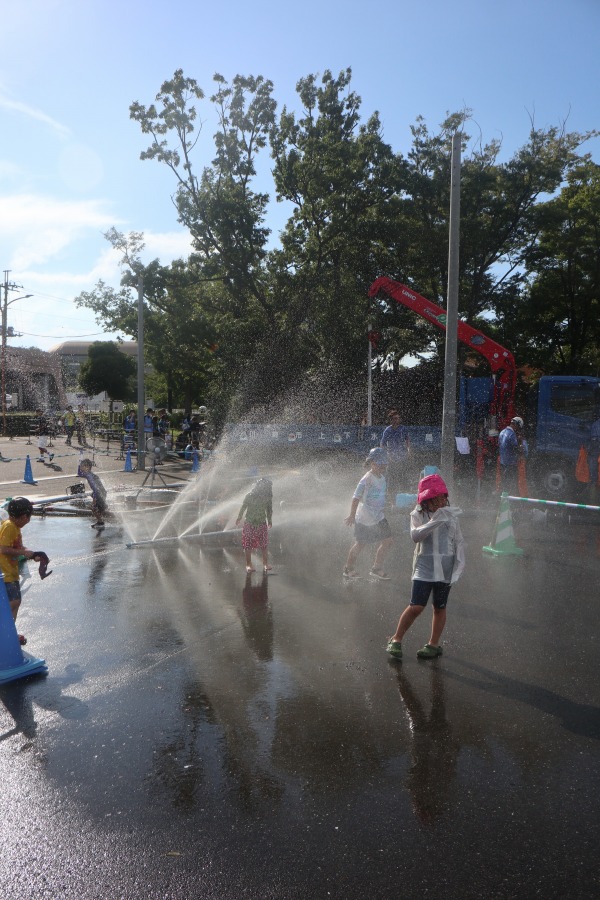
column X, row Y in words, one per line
column 357, row 439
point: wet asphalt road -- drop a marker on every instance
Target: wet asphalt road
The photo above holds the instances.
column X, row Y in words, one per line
column 201, row 734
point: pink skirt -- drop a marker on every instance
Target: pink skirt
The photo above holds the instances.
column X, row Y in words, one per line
column 255, row 537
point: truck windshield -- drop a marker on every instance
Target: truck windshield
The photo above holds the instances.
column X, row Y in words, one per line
column 577, row 400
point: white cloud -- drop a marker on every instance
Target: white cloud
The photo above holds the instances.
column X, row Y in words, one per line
column 31, row 113
column 168, row 245
column 106, row 267
column 55, row 250
column 37, row 229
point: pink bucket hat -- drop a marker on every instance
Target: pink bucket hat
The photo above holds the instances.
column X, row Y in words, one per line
column 431, row 486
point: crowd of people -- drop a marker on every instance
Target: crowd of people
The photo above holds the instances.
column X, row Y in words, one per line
column 77, row 426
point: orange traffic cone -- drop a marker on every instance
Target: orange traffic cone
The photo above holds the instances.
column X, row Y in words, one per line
column 522, row 478
column 582, row 469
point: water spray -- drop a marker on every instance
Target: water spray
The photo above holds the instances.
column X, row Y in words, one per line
column 208, row 538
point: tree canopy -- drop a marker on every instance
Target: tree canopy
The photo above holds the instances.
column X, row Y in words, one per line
column 108, row 369
column 250, row 318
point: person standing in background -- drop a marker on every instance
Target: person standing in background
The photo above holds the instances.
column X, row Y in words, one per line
column 395, row 442
column 69, row 420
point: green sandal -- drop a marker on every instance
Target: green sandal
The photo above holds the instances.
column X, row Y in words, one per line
column 429, row 652
column 394, row 648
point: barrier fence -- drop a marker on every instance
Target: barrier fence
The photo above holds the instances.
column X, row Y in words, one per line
column 503, row 541
column 552, row 502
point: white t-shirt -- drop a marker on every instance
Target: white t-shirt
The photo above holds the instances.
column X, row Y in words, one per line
column 370, row 490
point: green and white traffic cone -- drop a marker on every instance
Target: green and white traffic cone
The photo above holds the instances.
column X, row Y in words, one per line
column 503, row 541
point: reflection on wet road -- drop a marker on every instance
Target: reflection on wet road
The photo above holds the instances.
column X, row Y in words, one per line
column 204, row 733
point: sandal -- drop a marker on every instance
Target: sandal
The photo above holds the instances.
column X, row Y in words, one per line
column 394, row 648
column 249, row 569
column 429, row 652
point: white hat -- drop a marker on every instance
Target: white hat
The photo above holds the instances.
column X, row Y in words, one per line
column 517, row 421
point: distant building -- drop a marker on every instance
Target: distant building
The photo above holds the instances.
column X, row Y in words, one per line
column 34, row 379
column 73, row 353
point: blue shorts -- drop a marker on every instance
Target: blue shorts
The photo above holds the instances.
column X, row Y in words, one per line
column 422, row 589
column 13, row 589
column 372, row 534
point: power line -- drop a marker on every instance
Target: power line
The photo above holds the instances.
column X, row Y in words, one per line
column 64, row 336
column 54, row 297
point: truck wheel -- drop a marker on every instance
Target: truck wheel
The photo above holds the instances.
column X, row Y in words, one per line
column 556, row 482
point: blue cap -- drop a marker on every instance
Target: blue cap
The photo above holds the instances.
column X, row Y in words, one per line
column 378, row 455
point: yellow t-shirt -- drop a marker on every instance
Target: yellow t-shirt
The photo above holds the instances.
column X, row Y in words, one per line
column 10, row 536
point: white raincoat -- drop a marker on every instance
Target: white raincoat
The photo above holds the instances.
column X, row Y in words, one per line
column 440, row 551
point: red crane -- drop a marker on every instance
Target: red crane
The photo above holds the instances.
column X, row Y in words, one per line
column 501, row 360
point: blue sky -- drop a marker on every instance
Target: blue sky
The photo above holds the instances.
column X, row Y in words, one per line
column 69, row 155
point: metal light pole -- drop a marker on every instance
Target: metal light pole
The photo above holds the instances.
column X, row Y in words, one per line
column 5, row 304
column 369, row 380
column 449, row 410
column 141, row 453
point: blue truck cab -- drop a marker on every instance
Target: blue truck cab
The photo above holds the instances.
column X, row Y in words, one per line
column 562, row 413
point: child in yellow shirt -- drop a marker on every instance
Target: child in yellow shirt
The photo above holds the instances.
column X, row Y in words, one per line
column 19, row 511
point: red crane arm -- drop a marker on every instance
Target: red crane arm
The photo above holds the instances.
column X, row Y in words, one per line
column 501, row 360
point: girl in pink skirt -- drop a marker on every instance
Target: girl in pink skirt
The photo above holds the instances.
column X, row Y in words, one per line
column 257, row 511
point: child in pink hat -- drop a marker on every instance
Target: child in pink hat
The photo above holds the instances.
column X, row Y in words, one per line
column 438, row 562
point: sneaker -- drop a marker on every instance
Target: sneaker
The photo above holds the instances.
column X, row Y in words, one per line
column 350, row 573
column 51, row 457
column 394, row 648
column 378, row 573
column 22, row 640
column 40, row 459
column 429, row 652
column 98, row 525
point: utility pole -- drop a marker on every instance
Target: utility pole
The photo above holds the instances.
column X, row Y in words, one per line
column 449, row 409
column 141, row 454
column 7, row 286
column 369, row 379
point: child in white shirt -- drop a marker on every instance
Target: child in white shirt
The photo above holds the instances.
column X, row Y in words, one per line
column 438, row 562
column 367, row 516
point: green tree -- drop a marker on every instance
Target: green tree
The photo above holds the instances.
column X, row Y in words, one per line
column 343, row 182
column 556, row 318
column 242, row 320
column 223, row 213
column 497, row 227
column 179, row 339
column 108, row 369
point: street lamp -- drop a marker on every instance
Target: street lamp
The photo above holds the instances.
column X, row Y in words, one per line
column 5, row 306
